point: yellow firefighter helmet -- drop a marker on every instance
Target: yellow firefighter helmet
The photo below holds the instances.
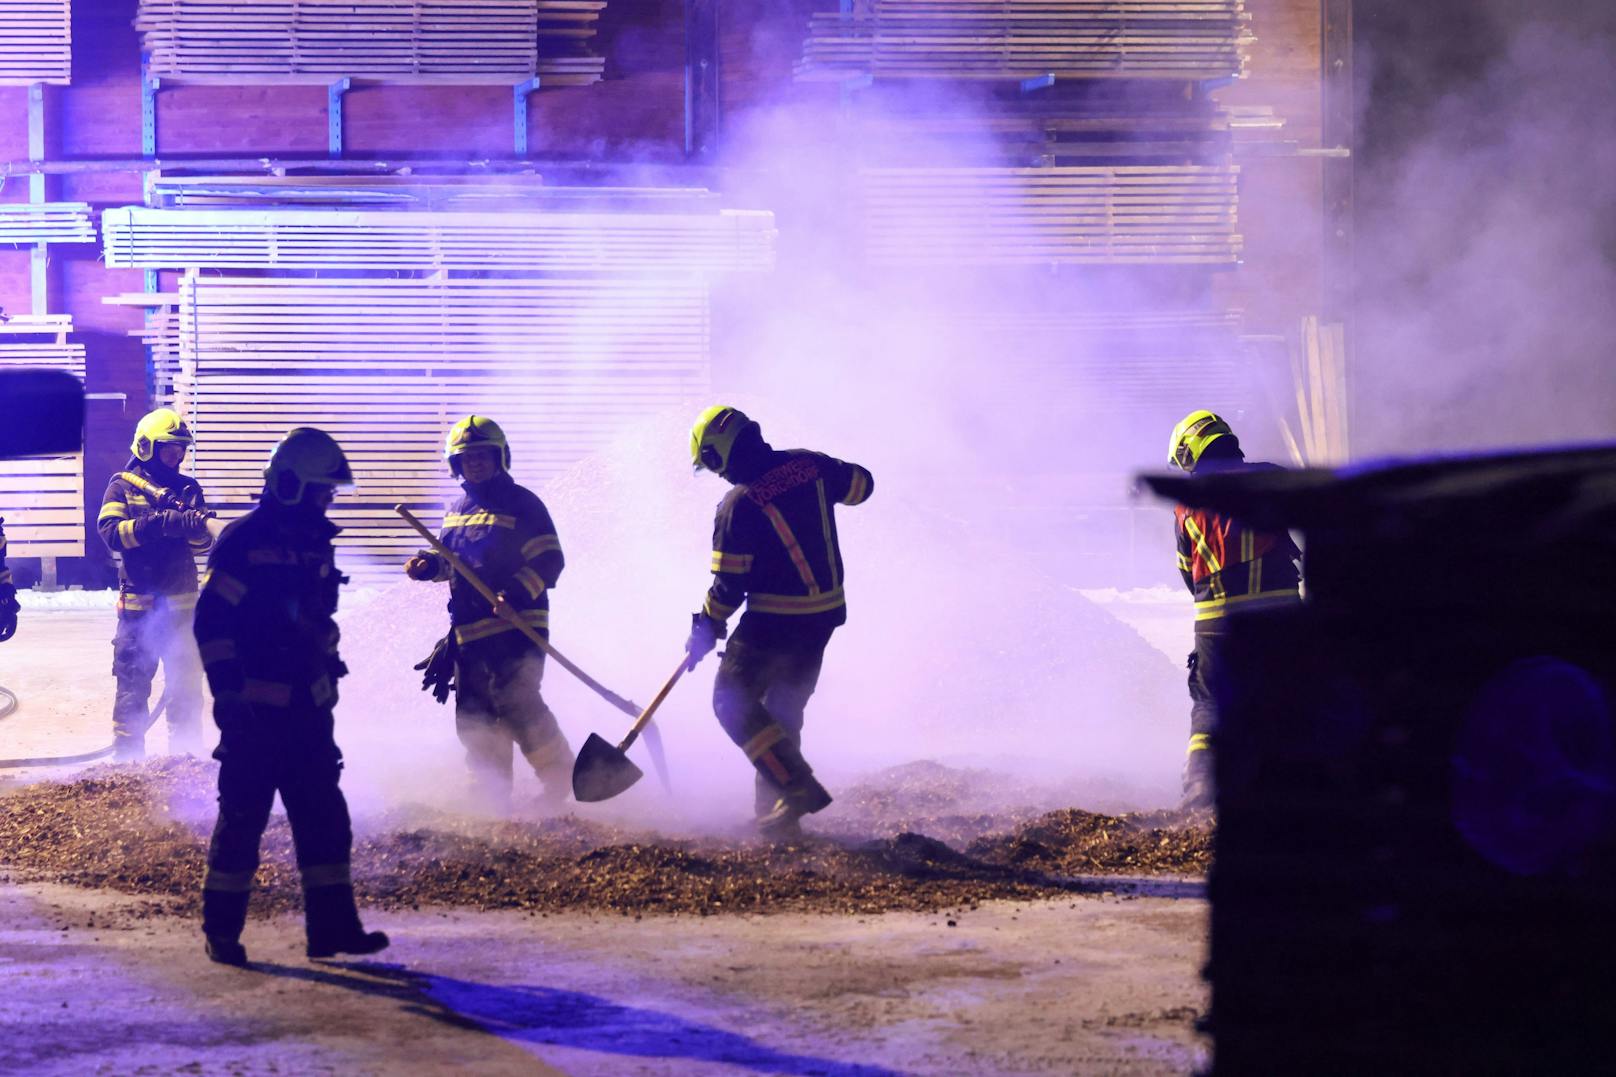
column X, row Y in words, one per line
column 305, row 457
column 713, row 437
column 1192, row 435
column 161, row 427
column 475, row 430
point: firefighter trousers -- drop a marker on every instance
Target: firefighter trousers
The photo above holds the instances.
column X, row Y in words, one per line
column 296, row 757
column 143, row 639
column 1205, row 664
column 760, row 696
column 498, row 708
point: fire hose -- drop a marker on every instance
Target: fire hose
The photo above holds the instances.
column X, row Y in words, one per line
column 65, row 760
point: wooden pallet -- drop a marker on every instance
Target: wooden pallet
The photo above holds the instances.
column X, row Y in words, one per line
column 36, row 42
column 563, row 242
column 1184, row 215
column 386, row 366
column 1018, row 39
column 46, row 222
column 387, row 41
column 42, row 499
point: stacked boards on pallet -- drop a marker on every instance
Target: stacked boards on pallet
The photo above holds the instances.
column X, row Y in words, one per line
column 46, row 222
column 426, row 307
column 1192, row 40
column 36, row 42
column 397, row 41
column 42, row 498
column 386, row 366
column 1151, row 215
column 621, row 241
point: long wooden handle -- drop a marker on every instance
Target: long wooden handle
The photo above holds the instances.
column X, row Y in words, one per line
column 526, row 629
column 644, row 719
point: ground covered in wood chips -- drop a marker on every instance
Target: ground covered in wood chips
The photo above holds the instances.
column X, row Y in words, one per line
column 142, row 830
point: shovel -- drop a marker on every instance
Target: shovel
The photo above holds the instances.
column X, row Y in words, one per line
column 602, row 770
column 653, row 739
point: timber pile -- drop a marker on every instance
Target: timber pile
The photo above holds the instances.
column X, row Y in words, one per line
column 1128, row 133
column 1021, row 39
column 520, row 192
column 142, row 830
column 383, row 41
column 36, row 42
column 46, row 222
column 622, row 241
column 386, row 366
column 1184, row 215
column 43, row 496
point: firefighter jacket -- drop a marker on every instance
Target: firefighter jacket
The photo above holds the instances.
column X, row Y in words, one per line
column 504, row 534
column 775, row 546
column 1228, row 566
column 131, row 524
column 265, row 623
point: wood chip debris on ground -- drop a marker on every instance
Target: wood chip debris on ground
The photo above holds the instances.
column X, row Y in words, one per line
column 142, row 830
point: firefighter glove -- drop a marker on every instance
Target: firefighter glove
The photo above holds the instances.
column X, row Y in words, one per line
column 420, row 567
column 172, row 523
column 196, row 522
column 439, row 669
column 8, row 611
column 705, row 632
column 232, row 712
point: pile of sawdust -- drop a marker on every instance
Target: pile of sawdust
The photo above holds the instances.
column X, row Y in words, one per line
column 142, row 830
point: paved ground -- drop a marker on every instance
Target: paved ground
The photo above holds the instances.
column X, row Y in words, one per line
column 1097, row 985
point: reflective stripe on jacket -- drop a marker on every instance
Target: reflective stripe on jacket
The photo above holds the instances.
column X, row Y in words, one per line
column 775, row 546
column 503, row 532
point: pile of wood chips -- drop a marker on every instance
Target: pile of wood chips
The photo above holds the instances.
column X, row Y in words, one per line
column 142, row 830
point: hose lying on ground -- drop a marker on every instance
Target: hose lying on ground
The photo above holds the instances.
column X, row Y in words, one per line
column 9, row 704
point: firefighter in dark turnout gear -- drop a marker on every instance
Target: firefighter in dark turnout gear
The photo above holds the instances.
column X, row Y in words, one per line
column 1229, row 568
column 504, row 534
column 266, row 628
column 155, row 520
column 8, row 592
column 774, row 550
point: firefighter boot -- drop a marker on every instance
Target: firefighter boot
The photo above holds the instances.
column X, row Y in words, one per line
column 333, row 924
column 224, row 914
column 553, row 764
column 1199, row 792
column 803, row 797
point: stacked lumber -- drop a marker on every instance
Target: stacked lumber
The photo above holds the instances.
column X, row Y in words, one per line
column 46, row 222
column 42, row 498
column 490, row 193
column 611, row 242
column 1194, row 40
column 385, row 41
column 386, row 366
column 1164, row 215
column 36, row 42
column 1133, row 362
column 1092, row 133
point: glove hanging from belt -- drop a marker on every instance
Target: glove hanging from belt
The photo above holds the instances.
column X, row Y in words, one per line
column 439, row 667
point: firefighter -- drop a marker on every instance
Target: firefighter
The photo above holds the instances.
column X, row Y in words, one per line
column 266, row 629
column 775, row 550
column 504, row 534
column 155, row 520
column 8, row 592
column 1228, row 568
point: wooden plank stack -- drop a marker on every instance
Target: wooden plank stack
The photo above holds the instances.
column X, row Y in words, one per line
column 379, row 41
column 46, row 222
column 1184, row 215
column 36, row 42
column 1194, row 40
column 387, row 365
column 608, row 242
column 42, row 498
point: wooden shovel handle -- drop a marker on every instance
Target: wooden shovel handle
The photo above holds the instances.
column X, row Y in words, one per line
column 522, row 626
column 644, row 719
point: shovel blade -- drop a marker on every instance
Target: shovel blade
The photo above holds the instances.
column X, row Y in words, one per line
column 602, row 771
